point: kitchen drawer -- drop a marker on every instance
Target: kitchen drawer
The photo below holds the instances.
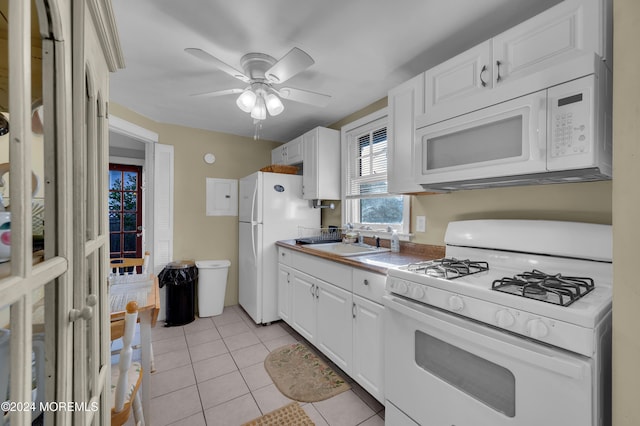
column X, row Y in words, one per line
column 326, row 270
column 284, row 256
column 369, row 285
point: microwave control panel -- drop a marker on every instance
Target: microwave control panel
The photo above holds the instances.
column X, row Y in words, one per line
column 570, row 124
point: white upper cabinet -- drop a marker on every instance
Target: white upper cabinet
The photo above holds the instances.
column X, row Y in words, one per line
column 405, row 103
column 289, row 153
column 319, row 152
column 565, row 31
column 278, row 154
column 294, row 152
column 531, row 56
column 466, row 74
column 321, row 165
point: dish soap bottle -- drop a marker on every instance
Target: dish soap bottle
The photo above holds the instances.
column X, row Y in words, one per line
column 395, row 242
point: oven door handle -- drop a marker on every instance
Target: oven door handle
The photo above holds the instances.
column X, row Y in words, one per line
column 458, row 330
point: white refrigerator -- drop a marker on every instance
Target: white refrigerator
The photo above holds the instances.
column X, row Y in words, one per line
column 271, row 208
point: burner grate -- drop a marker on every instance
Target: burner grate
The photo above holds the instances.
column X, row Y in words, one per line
column 555, row 289
column 449, row 268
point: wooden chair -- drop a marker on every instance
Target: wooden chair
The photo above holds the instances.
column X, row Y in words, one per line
column 130, row 265
column 126, row 378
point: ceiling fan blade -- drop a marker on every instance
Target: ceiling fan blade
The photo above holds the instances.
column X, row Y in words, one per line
column 219, row 92
column 204, row 56
column 304, row 96
column 295, row 61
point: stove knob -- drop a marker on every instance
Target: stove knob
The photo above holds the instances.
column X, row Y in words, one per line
column 504, row 318
column 537, row 329
column 400, row 287
column 418, row 292
column 456, row 303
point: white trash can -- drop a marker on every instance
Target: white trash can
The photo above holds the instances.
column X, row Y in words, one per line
column 212, row 286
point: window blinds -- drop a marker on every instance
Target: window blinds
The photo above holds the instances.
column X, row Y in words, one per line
column 367, row 161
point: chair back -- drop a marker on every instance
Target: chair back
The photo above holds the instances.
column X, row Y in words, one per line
column 130, row 265
column 124, row 329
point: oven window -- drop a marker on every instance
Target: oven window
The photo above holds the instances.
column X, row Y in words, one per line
column 483, row 380
column 494, row 141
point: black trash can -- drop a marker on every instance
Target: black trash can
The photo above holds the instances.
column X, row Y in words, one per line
column 180, row 279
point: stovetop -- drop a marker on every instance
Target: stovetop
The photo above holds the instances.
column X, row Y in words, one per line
column 492, row 287
column 586, row 310
column 553, row 288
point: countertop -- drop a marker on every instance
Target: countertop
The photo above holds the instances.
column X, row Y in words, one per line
column 376, row 262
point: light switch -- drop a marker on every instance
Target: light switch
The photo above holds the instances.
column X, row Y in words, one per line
column 421, row 223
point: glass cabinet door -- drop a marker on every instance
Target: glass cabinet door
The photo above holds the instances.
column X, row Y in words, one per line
column 35, row 280
column 54, row 311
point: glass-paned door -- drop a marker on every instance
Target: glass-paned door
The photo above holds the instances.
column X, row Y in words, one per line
column 35, row 246
column 125, row 210
column 91, row 66
column 54, row 309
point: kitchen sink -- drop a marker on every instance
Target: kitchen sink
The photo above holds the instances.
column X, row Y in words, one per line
column 344, row 249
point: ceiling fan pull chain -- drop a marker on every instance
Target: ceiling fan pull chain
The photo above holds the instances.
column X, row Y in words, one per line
column 258, row 127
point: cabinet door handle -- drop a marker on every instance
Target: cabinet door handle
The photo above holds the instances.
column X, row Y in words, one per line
column 365, row 282
column 86, row 313
column 353, row 310
column 288, row 276
column 483, row 70
column 312, row 288
column 498, row 78
column 317, row 292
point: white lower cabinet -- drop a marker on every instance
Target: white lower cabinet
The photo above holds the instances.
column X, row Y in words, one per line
column 303, row 305
column 321, row 313
column 368, row 349
column 334, row 328
column 285, row 277
column 339, row 311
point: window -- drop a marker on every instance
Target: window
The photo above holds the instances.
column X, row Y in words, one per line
column 367, row 203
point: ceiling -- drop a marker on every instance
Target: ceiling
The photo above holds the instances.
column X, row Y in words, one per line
column 361, row 48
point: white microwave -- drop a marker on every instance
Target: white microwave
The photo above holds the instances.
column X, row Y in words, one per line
column 559, row 134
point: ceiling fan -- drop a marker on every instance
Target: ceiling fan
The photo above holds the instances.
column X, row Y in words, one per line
column 262, row 73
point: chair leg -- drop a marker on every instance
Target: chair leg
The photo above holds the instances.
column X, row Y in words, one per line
column 153, row 364
column 137, row 409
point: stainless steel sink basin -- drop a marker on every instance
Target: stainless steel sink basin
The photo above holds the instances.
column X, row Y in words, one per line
column 343, row 249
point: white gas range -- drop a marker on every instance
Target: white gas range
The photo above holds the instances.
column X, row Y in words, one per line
column 516, row 317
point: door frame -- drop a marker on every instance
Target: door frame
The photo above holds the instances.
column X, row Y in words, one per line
column 157, row 199
column 149, row 138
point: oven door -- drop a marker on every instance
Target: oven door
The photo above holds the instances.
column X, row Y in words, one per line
column 502, row 140
column 441, row 369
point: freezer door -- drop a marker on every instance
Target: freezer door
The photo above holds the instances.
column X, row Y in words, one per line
column 250, row 269
column 249, row 201
column 284, row 210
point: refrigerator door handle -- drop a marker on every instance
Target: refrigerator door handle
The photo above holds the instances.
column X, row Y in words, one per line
column 253, row 241
column 253, row 204
column 254, row 223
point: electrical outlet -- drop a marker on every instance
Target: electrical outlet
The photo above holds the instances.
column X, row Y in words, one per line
column 421, row 223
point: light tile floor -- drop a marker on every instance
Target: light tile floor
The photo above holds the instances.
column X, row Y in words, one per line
column 211, row 372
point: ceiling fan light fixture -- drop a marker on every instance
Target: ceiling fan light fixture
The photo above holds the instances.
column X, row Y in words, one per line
column 274, row 104
column 247, row 101
column 259, row 111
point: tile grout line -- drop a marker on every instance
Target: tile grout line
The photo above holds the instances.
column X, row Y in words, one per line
column 290, row 332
